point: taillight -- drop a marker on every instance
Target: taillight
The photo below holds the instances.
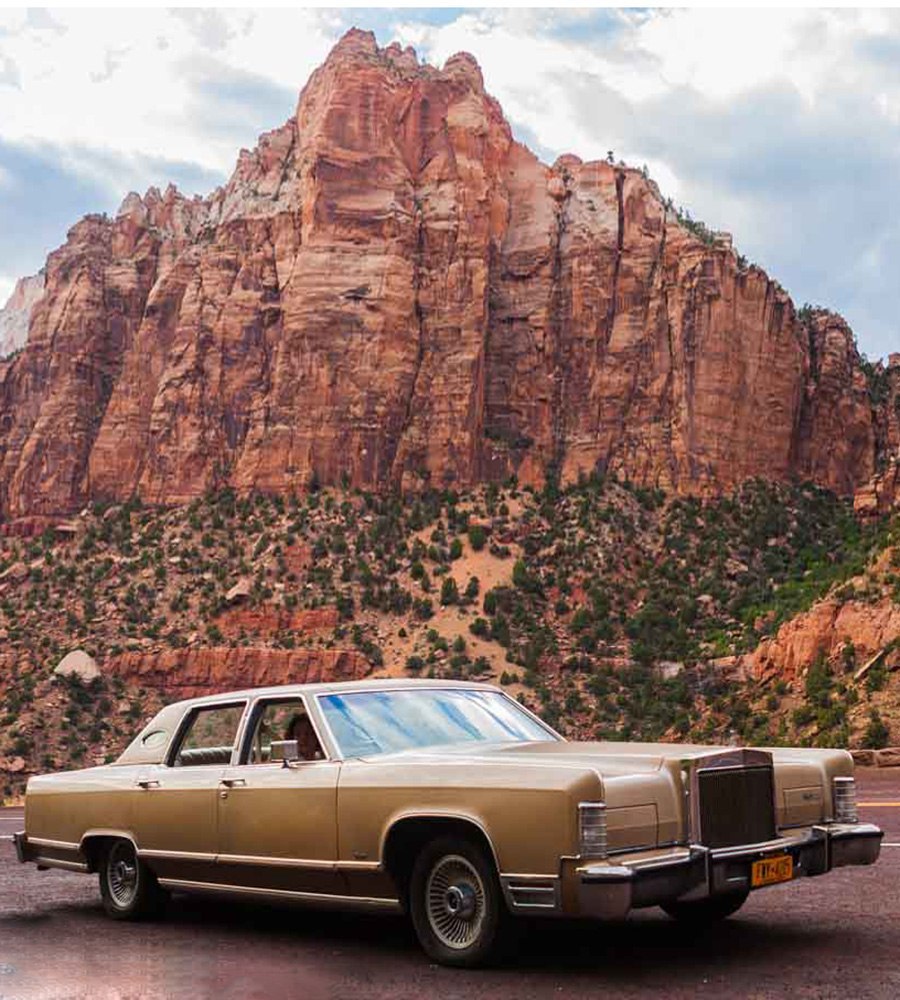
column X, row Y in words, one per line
column 844, row 794
column 592, row 829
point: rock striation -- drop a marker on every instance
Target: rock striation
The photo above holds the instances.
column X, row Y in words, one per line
column 390, row 291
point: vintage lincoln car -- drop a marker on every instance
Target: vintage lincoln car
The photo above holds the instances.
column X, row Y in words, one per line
column 447, row 800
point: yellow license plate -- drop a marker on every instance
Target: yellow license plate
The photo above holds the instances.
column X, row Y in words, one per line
column 772, row 870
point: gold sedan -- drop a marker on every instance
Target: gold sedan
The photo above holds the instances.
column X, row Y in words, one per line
column 447, row 800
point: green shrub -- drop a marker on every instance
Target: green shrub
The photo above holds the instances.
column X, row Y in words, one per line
column 423, row 608
column 477, row 537
column 877, row 734
column 449, row 591
column 480, row 627
column 523, row 579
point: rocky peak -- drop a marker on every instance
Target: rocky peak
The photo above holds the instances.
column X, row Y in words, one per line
column 392, row 292
column 464, row 66
column 354, row 42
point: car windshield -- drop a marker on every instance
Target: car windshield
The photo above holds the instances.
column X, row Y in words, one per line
column 373, row 722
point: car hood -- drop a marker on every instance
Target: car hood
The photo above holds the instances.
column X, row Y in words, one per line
column 608, row 757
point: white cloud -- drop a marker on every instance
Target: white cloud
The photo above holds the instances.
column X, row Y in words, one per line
column 122, row 81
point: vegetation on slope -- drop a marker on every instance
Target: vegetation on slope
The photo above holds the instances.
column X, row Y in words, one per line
column 612, row 610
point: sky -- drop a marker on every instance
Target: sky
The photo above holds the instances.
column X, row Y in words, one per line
column 779, row 126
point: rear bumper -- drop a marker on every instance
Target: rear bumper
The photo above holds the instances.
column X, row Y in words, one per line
column 610, row 890
column 49, row 853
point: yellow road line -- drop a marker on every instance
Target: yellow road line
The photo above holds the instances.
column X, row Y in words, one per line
column 878, row 805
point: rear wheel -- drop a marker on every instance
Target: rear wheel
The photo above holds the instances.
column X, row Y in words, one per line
column 706, row 911
column 128, row 888
column 456, row 903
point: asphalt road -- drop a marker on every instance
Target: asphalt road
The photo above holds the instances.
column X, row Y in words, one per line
column 835, row 936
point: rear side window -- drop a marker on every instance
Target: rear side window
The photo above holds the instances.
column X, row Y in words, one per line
column 209, row 737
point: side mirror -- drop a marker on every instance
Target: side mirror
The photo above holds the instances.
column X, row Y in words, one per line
column 284, row 750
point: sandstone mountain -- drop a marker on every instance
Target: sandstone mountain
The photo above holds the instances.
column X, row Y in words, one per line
column 16, row 314
column 391, row 291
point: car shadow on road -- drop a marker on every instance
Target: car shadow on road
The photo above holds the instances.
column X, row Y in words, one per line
column 643, row 945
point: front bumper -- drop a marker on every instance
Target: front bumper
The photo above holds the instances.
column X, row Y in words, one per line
column 610, row 890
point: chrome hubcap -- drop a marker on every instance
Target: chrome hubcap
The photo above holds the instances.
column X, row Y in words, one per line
column 122, row 874
column 455, row 901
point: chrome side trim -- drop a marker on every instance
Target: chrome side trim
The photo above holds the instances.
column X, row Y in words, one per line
column 176, row 855
column 61, row 845
column 70, row 866
column 268, row 861
column 322, row 898
column 263, row 861
column 529, row 893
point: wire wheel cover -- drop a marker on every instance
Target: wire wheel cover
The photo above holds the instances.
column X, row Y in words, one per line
column 122, row 874
column 454, row 901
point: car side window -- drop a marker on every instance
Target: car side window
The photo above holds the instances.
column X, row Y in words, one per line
column 284, row 720
column 209, row 737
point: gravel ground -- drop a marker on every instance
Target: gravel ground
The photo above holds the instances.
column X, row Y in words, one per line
column 818, row 938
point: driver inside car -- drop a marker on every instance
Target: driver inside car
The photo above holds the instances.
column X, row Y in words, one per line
column 301, row 730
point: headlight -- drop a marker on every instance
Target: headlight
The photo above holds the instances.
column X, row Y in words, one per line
column 592, row 829
column 844, row 794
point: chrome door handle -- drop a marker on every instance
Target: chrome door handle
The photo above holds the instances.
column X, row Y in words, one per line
column 148, row 783
column 233, row 782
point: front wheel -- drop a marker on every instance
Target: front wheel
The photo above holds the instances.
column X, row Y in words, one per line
column 706, row 911
column 127, row 886
column 456, row 904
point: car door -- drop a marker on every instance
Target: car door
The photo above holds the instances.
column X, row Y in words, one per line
column 277, row 821
column 176, row 813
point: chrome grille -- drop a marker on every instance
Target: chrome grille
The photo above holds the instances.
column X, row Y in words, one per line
column 736, row 806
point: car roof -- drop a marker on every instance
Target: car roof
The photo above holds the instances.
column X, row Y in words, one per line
column 336, row 687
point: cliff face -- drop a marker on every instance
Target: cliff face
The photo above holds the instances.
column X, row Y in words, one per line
column 16, row 314
column 391, row 291
column 190, row 673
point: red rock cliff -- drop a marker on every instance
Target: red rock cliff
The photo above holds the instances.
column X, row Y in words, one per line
column 391, row 291
column 189, row 673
